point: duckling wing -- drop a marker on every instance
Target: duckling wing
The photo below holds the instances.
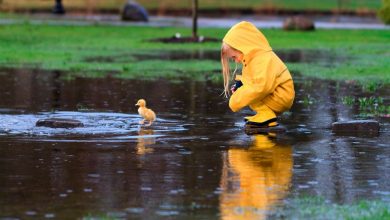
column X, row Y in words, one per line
column 141, row 111
column 150, row 115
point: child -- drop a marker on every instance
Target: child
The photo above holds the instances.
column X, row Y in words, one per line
column 267, row 86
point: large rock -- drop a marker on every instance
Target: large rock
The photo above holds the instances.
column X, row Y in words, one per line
column 59, row 123
column 133, row 11
column 300, row 23
column 369, row 127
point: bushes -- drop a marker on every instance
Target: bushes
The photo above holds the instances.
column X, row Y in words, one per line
column 384, row 12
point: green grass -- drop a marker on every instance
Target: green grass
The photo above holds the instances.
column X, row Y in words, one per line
column 365, row 52
column 317, row 208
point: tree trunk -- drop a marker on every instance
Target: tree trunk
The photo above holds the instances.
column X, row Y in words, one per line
column 58, row 8
column 195, row 18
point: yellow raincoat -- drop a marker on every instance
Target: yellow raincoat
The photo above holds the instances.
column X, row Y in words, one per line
column 267, row 88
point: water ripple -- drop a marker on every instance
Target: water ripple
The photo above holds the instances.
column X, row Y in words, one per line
column 110, row 125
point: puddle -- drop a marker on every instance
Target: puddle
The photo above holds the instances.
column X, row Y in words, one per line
column 195, row 159
column 292, row 56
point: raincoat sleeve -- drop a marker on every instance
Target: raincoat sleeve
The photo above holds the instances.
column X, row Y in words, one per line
column 259, row 84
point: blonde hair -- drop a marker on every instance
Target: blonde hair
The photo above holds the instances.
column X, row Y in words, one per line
column 226, row 68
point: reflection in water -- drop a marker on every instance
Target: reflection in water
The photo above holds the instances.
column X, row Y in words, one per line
column 144, row 140
column 255, row 179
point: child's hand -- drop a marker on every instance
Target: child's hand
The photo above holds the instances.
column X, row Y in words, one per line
column 237, row 85
column 233, row 88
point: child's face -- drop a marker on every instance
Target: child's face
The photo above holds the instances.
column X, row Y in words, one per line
column 234, row 54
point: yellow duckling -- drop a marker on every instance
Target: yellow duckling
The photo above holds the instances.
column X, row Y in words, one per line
column 146, row 113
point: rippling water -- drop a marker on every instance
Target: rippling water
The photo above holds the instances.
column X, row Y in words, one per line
column 96, row 125
column 195, row 161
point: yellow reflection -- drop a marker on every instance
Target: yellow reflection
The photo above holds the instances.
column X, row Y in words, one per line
column 145, row 139
column 255, row 179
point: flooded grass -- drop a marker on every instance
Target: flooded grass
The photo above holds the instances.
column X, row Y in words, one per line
column 373, row 106
column 319, row 208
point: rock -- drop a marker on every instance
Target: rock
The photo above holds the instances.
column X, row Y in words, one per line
column 59, row 123
column 256, row 130
column 298, row 23
column 132, row 11
column 356, row 127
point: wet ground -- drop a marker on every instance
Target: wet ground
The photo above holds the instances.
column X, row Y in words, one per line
column 195, row 162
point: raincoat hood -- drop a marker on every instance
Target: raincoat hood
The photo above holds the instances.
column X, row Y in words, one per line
column 265, row 78
column 245, row 37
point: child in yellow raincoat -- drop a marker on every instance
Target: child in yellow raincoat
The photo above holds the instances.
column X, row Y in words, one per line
column 267, row 85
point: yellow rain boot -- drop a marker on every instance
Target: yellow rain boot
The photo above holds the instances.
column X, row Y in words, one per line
column 264, row 117
column 247, row 118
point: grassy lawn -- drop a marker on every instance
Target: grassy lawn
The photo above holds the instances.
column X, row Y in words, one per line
column 318, row 208
column 203, row 4
column 364, row 54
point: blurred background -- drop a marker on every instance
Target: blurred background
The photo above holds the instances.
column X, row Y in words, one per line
column 360, row 7
column 210, row 7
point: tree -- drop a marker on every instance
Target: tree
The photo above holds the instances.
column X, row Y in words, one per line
column 195, row 19
column 58, row 8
